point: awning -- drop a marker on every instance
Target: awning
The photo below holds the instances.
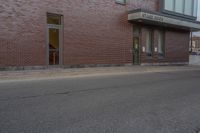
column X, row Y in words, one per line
column 157, row 18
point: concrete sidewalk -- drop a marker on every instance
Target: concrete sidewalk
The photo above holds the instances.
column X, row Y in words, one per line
column 195, row 60
column 80, row 72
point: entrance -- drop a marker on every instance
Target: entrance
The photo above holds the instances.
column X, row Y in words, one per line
column 54, row 41
column 136, row 45
column 136, row 51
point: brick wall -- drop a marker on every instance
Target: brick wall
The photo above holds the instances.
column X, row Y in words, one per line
column 22, row 34
column 176, row 46
column 152, row 5
column 95, row 31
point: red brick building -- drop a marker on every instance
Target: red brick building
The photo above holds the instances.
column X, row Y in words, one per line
column 73, row 33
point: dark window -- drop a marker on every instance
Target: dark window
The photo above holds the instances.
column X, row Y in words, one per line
column 120, row 1
column 53, row 19
column 161, row 44
column 149, row 42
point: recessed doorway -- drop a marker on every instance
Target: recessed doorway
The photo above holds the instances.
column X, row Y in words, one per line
column 136, row 45
column 136, row 51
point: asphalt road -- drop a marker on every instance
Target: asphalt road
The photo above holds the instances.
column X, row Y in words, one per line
column 142, row 103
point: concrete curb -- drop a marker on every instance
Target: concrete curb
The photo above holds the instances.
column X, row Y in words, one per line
column 86, row 72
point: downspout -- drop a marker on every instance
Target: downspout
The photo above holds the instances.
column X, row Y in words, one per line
column 191, row 42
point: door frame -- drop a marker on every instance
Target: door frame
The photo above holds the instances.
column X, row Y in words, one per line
column 60, row 28
column 139, row 45
column 138, row 52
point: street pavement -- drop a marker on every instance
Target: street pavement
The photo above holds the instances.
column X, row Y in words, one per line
column 157, row 102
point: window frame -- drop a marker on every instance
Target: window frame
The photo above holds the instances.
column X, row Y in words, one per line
column 191, row 10
column 55, row 16
column 176, row 7
column 151, row 32
column 120, row 2
column 193, row 16
column 163, row 46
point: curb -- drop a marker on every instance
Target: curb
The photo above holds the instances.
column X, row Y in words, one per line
column 86, row 72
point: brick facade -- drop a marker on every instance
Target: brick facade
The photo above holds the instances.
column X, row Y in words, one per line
column 176, row 46
column 95, row 32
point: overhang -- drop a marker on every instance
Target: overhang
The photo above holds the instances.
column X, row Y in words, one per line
column 160, row 19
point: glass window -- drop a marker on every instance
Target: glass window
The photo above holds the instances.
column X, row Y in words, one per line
column 53, row 19
column 195, row 8
column 149, row 37
column 121, row 1
column 53, row 46
column 185, row 7
column 179, row 6
column 188, row 7
column 169, row 5
column 136, row 31
column 161, row 43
